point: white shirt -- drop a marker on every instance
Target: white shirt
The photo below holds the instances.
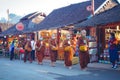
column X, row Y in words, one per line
column 33, row 43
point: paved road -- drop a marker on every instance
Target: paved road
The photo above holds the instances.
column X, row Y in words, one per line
column 18, row 70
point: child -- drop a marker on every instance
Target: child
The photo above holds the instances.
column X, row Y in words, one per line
column 21, row 53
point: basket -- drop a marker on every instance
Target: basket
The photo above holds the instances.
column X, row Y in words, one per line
column 83, row 48
column 54, row 48
column 67, row 48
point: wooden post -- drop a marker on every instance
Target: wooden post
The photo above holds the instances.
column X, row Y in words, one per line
column 58, row 36
column 92, row 3
column 8, row 18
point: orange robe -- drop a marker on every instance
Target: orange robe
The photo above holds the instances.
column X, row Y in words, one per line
column 27, row 53
column 68, row 55
column 83, row 56
column 53, row 53
column 40, row 51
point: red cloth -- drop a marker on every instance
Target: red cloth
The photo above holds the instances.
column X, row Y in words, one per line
column 22, row 51
column 67, row 55
column 83, row 56
column 40, row 53
column 112, row 43
column 53, row 54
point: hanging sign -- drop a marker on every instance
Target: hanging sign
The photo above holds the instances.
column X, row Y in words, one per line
column 20, row 26
column 89, row 8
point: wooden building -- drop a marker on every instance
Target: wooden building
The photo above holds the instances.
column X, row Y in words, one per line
column 104, row 23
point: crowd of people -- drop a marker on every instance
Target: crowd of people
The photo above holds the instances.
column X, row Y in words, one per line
column 35, row 50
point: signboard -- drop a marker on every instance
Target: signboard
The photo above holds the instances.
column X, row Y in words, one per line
column 20, row 26
column 89, row 8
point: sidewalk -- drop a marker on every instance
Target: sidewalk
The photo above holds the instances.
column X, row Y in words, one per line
column 102, row 66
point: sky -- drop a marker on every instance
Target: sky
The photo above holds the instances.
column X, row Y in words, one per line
column 24, row 7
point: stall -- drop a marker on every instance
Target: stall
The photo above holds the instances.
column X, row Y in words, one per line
column 104, row 56
column 93, row 45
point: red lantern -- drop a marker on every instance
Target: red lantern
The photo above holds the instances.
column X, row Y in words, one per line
column 20, row 26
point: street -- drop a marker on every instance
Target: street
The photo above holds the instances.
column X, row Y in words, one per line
column 18, row 70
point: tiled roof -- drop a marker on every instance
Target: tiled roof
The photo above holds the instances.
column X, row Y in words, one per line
column 67, row 15
column 25, row 21
column 109, row 16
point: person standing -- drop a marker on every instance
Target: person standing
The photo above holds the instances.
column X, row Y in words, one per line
column 83, row 50
column 21, row 51
column 68, row 54
column 53, row 50
column 40, row 49
column 113, row 51
column 33, row 49
column 28, row 50
column 12, row 47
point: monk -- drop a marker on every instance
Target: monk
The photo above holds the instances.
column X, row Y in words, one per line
column 28, row 50
column 68, row 53
column 53, row 50
column 83, row 55
column 40, row 48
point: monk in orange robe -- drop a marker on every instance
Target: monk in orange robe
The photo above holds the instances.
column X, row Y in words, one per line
column 28, row 50
column 83, row 55
column 53, row 50
column 40, row 48
column 68, row 54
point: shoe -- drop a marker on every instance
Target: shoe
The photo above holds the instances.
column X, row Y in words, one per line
column 64, row 65
column 114, row 67
column 84, row 69
column 41, row 63
column 52, row 64
column 70, row 67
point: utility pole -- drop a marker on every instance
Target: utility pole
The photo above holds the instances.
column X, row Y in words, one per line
column 8, row 18
column 92, row 3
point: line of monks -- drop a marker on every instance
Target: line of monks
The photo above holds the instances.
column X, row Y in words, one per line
column 68, row 50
